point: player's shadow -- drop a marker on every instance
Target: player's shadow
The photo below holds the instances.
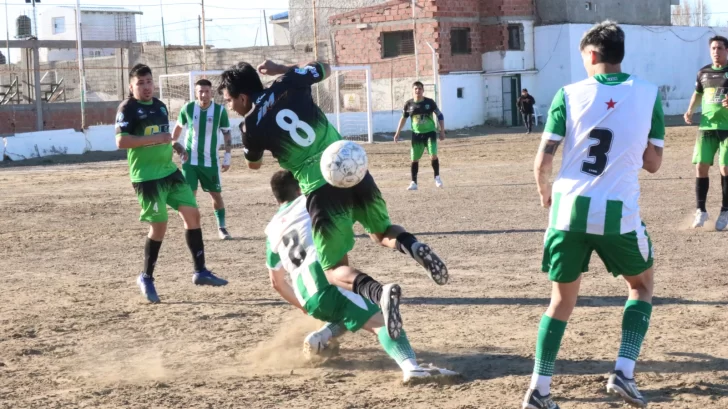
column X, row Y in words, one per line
column 257, row 302
column 583, row 301
column 468, row 232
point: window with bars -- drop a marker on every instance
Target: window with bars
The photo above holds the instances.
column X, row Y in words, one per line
column 396, row 43
column 515, row 41
column 460, row 41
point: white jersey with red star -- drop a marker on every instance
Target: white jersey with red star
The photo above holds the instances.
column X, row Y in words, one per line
column 605, row 123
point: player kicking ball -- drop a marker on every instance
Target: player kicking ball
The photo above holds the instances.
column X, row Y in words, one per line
column 612, row 125
column 142, row 128
column 290, row 248
column 421, row 110
column 205, row 120
column 284, row 120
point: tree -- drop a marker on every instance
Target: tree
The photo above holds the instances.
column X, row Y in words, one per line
column 691, row 13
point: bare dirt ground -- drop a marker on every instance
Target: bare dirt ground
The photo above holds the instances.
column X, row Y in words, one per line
column 75, row 332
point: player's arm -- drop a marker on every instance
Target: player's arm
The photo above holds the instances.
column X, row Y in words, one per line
column 227, row 138
column 652, row 158
column 279, row 283
column 176, row 132
column 125, row 122
column 554, row 133
column 440, row 120
column 402, row 121
column 305, row 74
column 252, row 153
column 694, row 100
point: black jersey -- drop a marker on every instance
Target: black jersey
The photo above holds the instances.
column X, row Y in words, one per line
column 713, row 84
column 421, row 114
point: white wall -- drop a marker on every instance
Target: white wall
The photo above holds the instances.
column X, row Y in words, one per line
column 513, row 60
column 669, row 57
column 466, row 111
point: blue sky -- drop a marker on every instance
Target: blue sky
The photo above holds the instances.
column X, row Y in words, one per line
column 234, row 23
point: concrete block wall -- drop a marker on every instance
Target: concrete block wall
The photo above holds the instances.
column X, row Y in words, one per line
column 16, row 119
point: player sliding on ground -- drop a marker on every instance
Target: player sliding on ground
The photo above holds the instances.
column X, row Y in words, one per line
column 421, row 111
column 142, row 127
column 284, row 120
column 290, row 248
column 205, row 120
column 612, row 126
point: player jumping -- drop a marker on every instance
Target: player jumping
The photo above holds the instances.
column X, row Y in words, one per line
column 424, row 135
column 711, row 88
column 205, row 120
column 612, row 125
column 284, row 120
column 142, row 127
column 290, row 248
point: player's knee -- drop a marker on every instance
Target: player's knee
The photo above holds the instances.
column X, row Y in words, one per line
column 702, row 170
column 433, row 157
column 724, row 170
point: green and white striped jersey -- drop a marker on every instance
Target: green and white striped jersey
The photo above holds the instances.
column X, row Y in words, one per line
column 290, row 245
column 605, row 123
column 203, row 130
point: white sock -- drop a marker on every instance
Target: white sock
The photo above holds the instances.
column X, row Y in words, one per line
column 626, row 366
column 541, row 383
column 409, row 364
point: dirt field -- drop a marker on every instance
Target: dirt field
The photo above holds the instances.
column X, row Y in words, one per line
column 75, row 332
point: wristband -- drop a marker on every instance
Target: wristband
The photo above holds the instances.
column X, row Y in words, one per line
column 226, row 159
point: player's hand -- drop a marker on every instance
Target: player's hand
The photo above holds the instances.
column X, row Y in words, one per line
column 181, row 152
column 226, row 162
column 396, row 137
column 268, row 67
column 442, row 135
column 545, row 197
column 689, row 117
column 725, row 102
column 164, row 137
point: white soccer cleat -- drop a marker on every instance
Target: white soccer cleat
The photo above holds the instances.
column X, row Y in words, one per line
column 700, row 218
column 314, row 347
column 412, row 186
column 428, row 374
column 223, row 234
column 722, row 221
column 438, row 182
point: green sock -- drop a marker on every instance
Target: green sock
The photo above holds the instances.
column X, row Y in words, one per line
column 400, row 349
column 220, row 216
column 635, row 322
column 550, row 332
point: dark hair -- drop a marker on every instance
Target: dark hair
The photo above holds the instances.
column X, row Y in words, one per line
column 608, row 38
column 139, row 70
column 418, row 84
column 524, row 90
column 203, row 83
column 240, row 79
column 284, row 186
column 719, row 38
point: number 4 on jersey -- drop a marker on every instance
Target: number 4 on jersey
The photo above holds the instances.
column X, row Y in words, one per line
column 598, row 152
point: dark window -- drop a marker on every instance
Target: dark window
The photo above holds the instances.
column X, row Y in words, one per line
column 514, row 37
column 396, row 43
column 460, row 40
column 460, row 93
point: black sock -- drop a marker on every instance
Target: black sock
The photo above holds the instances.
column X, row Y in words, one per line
column 405, row 241
column 368, row 288
column 701, row 192
column 415, row 169
column 151, row 252
column 436, row 166
column 197, row 248
column 724, row 182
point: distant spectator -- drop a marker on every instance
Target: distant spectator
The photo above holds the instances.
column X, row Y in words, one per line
column 525, row 105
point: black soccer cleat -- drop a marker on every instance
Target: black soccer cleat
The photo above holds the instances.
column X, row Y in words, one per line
column 427, row 258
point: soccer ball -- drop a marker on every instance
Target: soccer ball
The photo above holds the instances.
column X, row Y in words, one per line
column 344, row 164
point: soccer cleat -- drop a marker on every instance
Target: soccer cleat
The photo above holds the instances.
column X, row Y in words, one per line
column 314, row 346
column 412, row 186
column 146, row 284
column 438, row 181
column 427, row 374
column 626, row 388
column 389, row 303
column 700, row 218
column 534, row 400
column 205, row 277
column 431, row 262
column 223, row 234
column 722, row 221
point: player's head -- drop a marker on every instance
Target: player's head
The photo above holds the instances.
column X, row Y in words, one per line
column 141, row 83
column 418, row 89
column 602, row 44
column 203, row 91
column 524, row 92
column 238, row 86
column 719, row 50
column 285, row 186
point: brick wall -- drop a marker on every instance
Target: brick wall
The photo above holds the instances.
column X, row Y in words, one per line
column 21, row 118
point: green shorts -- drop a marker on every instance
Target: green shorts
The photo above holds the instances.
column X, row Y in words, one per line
column 155, row 195
column 208, row 178
column 706, row 146
column 566, row 254
column 420, row 141
column 333, row 304
column 334, row 211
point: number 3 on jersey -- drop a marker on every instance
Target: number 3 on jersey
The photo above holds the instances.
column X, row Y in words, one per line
column 598, row 151
column 289, row 121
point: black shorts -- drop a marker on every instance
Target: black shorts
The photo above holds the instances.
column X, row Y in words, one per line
column 334, row 211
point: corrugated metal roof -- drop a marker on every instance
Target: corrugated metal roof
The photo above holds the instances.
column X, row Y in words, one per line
column 119, row 10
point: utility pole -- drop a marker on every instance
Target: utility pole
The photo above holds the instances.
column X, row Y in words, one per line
column 265, row 23
column 315, row 42
column 164, row 39
column 199, row 30
column 414, row 40
column 7, row 32
column 81, row 73
column 35, row 16
column 204, row 41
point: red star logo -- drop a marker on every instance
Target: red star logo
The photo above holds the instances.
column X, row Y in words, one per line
column 610, row 104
